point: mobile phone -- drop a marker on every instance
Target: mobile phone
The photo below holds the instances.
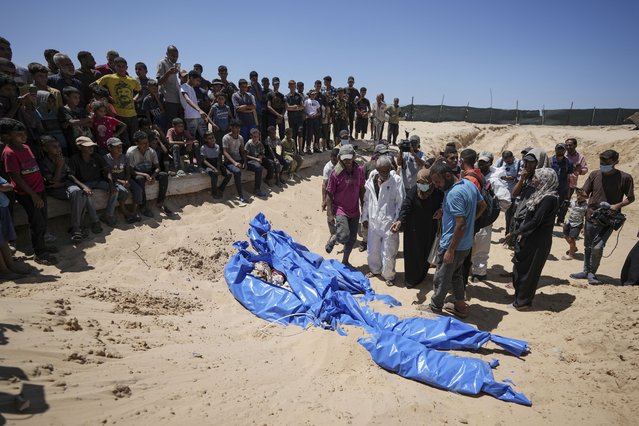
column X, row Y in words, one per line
column 178, row 65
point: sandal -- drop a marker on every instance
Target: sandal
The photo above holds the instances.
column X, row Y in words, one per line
column 77, row 236
column 452, row 309
column 370, row 275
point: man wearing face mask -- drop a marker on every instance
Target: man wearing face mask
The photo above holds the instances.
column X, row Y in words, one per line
column 606, row 185
column 418, row 218
column 384, row 194
column 344, row 193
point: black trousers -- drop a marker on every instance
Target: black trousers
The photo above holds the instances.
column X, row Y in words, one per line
column 37, row 220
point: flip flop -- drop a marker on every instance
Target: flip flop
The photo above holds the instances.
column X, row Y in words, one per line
column 452, row 309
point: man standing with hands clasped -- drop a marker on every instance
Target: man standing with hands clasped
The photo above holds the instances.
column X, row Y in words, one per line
column 344, row 193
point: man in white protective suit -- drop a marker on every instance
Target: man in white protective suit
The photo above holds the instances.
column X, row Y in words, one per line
column 481, row 243
column 384, row 194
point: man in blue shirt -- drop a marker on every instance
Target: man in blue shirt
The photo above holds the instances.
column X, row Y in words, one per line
column 462, row 204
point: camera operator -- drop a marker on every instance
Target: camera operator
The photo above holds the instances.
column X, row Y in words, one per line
column 606, row 186
column 410, row 160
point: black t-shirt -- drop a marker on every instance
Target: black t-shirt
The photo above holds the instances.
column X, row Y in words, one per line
column 295, row 99
column 277, row 101
column 265, row 94
column 363, row 105
column 351, row 94
column 93, row 170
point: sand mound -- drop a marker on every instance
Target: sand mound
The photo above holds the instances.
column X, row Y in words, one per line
column 141, row 303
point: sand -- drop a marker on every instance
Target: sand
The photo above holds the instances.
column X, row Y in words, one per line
column 137, row 326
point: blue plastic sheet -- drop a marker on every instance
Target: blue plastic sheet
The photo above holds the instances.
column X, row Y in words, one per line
column 323, row 293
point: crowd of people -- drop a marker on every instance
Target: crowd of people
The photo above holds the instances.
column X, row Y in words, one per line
column 446, row 206
column 67, row 133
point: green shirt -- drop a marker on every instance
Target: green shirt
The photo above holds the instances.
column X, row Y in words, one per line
column 393, row 114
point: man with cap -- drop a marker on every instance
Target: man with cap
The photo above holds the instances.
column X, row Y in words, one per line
column 344, row 193
column 343, row 138
column 383, row 198
column 340, row 112
column 351, row 94
column 564, row 168
column 609, row 190
column 580, row 168
column 381, row 150
column 244, row 107
column 167, row 76
column 276, row 105
column 410, row 162
column 89, row 171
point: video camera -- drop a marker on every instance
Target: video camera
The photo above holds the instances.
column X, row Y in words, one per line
column 404, row 144
column 607, row 217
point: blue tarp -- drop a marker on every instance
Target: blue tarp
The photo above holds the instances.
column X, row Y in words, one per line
column 322, row 293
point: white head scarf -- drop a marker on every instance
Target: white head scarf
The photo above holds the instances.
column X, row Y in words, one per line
column 548, row 184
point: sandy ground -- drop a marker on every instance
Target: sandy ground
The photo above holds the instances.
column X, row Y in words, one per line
column 137, row 326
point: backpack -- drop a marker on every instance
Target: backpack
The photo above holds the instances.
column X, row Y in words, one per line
column 490, row 215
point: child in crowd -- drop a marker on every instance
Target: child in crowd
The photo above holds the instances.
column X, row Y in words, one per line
column 89, row 171
column 210, row 154
column 153, row 106
column 121, row 175
column 235, row 160
column 221, row 115
column 256, row 153
column 55, row 171
column 47, row 112
column 182, row 143
column 28, row 185
column 141, row 72
column 9, row 270
column 104, row 127
column 575, row 223
column 101, row 94
column 270, row 144
column 75, row 121
column 158, row 142
column 290, row 154
column 146, row 170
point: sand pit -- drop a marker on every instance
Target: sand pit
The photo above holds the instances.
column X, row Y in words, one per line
column 138, row 327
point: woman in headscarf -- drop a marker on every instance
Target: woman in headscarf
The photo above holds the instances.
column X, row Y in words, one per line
column 533, row 238
column 416, row 219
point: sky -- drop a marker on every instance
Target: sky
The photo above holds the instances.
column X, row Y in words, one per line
column 540, row 53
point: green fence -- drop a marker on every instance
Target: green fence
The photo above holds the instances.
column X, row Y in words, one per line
column 563, row 117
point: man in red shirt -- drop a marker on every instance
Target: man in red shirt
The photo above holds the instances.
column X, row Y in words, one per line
column 344, row 193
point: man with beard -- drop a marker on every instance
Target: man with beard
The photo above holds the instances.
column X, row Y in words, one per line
column 463, row 203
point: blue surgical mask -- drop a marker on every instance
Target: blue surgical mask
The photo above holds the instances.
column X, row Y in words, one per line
column 424, row 187
column 606, row 168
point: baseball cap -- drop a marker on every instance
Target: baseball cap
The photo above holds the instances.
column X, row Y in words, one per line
column 526, row 150
column 486, row 156
column 85, row 141
column 531, row 156
column 217, row 81
column 346, row 152
column 414, row 139
column 114, row 142
column 560, row 145
column 275, row 80
column 343, row 134
column 381, row 149
column 351, row 78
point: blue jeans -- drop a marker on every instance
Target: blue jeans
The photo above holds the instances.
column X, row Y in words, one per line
column 237, row 176
column 196, row 127
column 111, row 202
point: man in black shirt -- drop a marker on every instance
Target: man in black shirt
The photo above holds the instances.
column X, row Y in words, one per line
column 351, row 94
column 276, row 105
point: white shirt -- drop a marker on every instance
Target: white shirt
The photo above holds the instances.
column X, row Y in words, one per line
column 328, row 168
column 311, row 106
column 189, row 111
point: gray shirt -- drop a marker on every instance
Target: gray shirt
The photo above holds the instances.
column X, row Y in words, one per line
column 171, row 87
column 141, row 162
column 410, row 169
column 232, row 146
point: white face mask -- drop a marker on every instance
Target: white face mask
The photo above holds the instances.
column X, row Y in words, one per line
column 424, row 187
